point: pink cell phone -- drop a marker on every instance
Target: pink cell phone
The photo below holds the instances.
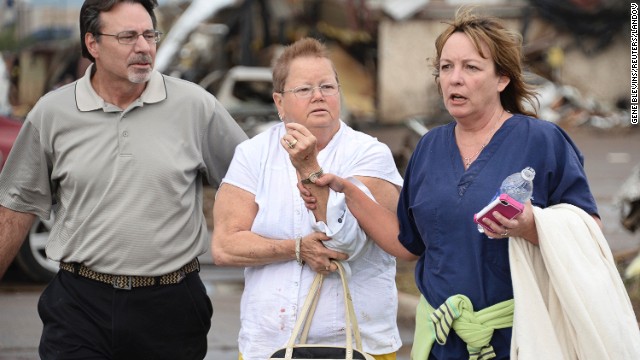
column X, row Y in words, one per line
column 504, row 204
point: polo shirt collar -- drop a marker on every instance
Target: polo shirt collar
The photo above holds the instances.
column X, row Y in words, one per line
column 87, row 99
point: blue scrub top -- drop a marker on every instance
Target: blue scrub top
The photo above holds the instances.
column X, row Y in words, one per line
column 439, row 198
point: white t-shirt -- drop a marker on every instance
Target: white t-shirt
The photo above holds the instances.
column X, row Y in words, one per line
column 274, row 293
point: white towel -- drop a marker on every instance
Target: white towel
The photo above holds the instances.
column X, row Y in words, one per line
column 570, row 301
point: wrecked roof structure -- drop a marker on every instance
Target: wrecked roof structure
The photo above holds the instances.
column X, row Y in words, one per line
column 581, row 72
column 576, row 49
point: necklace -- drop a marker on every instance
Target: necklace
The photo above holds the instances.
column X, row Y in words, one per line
column 470, row 159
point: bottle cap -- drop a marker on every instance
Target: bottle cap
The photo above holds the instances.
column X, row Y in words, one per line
column 528, row 173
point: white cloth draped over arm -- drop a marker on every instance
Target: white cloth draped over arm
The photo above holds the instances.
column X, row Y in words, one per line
column 570, row 301
column 342, row 227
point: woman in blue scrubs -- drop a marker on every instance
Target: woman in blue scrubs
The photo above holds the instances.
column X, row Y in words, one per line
column 456, row 170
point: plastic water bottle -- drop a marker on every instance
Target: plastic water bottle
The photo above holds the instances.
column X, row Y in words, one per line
column 519, row 186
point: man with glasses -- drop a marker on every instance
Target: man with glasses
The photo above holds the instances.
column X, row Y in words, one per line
column 123, row 153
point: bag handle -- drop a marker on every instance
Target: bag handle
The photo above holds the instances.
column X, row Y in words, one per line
column 314, row 292
column 307, row 324
column 308, row 310
column 349, row 310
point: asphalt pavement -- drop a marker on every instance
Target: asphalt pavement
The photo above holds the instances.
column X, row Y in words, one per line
column 609, row 158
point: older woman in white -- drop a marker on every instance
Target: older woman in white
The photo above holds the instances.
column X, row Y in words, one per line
column 261, row 222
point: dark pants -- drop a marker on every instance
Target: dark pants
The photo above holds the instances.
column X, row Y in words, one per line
column 86, row 319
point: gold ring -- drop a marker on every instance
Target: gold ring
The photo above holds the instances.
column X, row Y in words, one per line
column 506, row 232
column 292, row 144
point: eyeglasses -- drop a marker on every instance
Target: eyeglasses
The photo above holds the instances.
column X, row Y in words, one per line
column 306, row 91
column 130, row 37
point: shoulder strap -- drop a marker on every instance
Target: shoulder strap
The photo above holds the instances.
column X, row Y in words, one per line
column 308, row 309
column 309, row 303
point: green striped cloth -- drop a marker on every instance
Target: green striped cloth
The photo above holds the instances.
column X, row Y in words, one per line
column 474, row 327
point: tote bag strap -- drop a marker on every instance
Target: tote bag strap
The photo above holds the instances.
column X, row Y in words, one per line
column 308, row 310
column 349, row 310
column 314, row 293
column 312, row 310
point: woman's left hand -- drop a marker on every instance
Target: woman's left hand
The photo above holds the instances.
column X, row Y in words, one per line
column 523, row 225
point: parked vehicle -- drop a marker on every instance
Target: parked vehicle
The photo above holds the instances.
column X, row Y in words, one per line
column 31, row 258
column 246, row 92
column 9, row 129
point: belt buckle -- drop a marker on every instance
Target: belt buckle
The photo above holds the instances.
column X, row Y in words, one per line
column 181, row 276
column 126, row 286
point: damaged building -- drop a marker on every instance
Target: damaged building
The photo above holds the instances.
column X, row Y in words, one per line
column 576, row 50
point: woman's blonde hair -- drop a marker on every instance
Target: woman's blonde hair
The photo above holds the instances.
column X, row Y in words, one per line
column 505, row 47
column 305, row 47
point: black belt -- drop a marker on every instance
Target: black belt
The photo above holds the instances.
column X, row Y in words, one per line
column 128, row 282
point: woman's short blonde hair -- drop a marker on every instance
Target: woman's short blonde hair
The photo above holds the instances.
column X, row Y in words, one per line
column 305, row 47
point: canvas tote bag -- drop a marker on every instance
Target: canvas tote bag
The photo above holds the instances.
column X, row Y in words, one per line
column 302, row 350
